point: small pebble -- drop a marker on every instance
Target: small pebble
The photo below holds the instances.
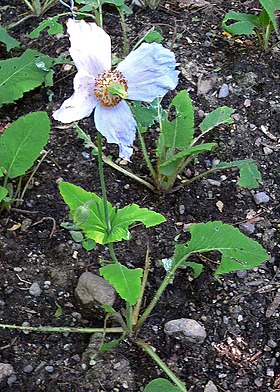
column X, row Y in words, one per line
column 261, row 197
column 241, row 274
column 224, row 91
column 49, row 369
column 213, row 182
column 270, row 372
column 11, row 379
column 17, row 269
column 35, row 289
column 86, row 155
column 247, row 228
column 26, row 324
column 28, row 369
column 272, row 343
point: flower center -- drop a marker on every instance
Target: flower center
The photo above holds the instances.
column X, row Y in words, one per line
column 110, row 88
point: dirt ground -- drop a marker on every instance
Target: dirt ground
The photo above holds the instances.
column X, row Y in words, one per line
column 240, row 312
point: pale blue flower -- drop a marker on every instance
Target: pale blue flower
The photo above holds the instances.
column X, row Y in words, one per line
column 145, row 74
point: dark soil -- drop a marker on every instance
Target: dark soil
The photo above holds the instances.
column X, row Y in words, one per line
column 241, row 351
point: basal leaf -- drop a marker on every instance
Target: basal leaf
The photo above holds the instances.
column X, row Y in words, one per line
column 240, row 23
column 51, row 24
column 126, row 282
column 269, row 7
column 178, row 134
column 21, row 74
column 248, row 170
column 167, row 168
column 3, row 193
column 87, row 210
column 217, row 117
column 9, row 41
column 22, row 142
column 161, row 385
column 112, row 344
column 238, row 251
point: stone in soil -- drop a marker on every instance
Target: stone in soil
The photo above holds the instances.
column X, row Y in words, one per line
column 5, row 371
column 261, row 197
column 92, row 292
column 210, row 387
column 35, row 289
column 187, row 330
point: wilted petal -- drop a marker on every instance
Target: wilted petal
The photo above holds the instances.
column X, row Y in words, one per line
column 90, row 47
column 149, row 72
column 117, row 125
column 81, row 103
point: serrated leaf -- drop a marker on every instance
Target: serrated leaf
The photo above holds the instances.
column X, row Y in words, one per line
column 51, row 24
column 21, row 74
column 243, row 23
column 126, row 282
column 221, row 115
column 95, row 226
column 3, row 193
column 161, row 385
column 167, row 168
column 178, row 134
column 22, row 142
column 248, row 170
column 238, row 251
column 9, row 41
column 269, row 7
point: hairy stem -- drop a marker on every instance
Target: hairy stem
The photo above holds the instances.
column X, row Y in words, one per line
column 62, row 329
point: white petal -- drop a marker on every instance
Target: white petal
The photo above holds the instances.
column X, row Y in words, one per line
column 117, row 125
column 149, row 72
column 90, row 47
column 81, row 103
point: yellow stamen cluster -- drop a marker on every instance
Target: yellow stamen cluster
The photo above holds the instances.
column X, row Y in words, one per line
column 102, row 84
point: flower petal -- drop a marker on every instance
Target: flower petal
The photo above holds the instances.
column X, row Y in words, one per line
column 149, row 72
column 81, row 103
column 90, row 47
column 117, row 125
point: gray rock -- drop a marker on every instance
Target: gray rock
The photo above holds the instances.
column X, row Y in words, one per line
column 224, row 91
column 5, row 371
column 93, row 291
column 185, row 329
column 25, row 224
column 261, row 197
column 49, row 369
column 28, row 369
column 11, row 379
column 210, row 387
column 241, row 274
column 35, row 289
column 247, row 228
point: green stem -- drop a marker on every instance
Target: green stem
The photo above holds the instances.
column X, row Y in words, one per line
column 129, row 316
column 112, row 252
column 146, row 156
column 148, row 310
column 62, row 329
column 125, row 40
column 102, row 182
column 187, row 182
column 161, row 364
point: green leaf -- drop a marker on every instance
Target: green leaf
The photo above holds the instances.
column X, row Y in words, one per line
column 217, row 117
column 248, row 170
column 21, row 74
column 3, row 193
column 153, row 36
column 112, row 344
column 167, row 168
column 145, row 116
column 126, row 282
column 244, row 23
column 178, row 134
column 59, row 312
column 196, row 267
column 22, row 142
column 94, row 226
column 269, row 7
column 161, row 385
column 77, row 236
column 51, row 24
column 238, row 251
column 128, row 216
column 89, row 244
column 9, row 41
